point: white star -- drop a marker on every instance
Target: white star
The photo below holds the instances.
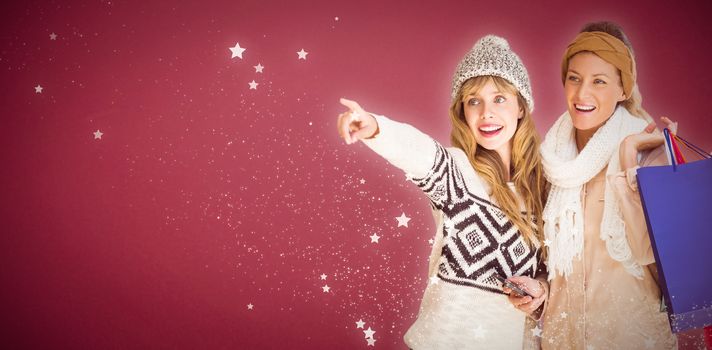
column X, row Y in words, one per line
column 237, row 51
column 53, row 36
column 360, row 323
column 258, row 68
column 369, row 333
column 371, row 342
column 302, row 54
column 374, row 238
column 649, row 343
column 564, row 314
column 434, row 279
column 253, row 85
column 479, row 332
column 431, row 241
column 536, row 332
column 325, row 288
column 250, row 306
column 38, row 89
column 323, row 276
column 403, row 220
column 362, row 181
column 97, row 134
column 547, row 242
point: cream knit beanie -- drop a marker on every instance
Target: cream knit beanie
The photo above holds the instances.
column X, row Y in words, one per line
column 491, row 55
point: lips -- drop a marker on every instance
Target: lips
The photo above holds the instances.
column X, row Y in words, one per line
column 490, row 130
column 584, row 108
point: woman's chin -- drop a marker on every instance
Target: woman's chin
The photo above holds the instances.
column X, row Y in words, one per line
column 586, row 122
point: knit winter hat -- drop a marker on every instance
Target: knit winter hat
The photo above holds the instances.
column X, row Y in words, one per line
column 491, row 55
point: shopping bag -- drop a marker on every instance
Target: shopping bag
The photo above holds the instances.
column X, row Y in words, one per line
column 677, row 201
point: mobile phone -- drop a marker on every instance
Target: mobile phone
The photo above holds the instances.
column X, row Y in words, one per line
column 509, row 284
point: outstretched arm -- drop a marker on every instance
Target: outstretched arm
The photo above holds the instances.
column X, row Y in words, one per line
column 401, row 144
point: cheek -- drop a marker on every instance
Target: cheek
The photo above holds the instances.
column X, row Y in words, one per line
column 569, row 92
column 608, row 100
column 469, row 117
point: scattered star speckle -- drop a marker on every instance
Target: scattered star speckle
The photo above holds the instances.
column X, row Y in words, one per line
column 536, row 332
column 374, row 238
column 53, row 36
column 237, row 51
column 302, row 54
column 250, row 306
column 369, row 332
column 479, row 332
column 98, row 134
column 38, row 89
column 403, row 220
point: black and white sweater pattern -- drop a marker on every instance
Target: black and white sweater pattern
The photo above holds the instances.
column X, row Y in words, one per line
column 477, row 238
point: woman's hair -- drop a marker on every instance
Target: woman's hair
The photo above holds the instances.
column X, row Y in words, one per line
column 526, row 170
column 634, row 102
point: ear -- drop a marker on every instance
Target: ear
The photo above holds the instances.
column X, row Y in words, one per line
column 521, row 113
column 623, row 97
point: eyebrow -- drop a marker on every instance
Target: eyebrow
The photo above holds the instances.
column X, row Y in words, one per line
column 595, row 75
column 493, row 93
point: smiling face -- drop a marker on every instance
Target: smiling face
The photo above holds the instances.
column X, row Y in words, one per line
column 492, row 113
column 593, row 89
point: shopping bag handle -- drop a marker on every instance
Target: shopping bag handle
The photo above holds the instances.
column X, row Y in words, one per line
column 673, row 152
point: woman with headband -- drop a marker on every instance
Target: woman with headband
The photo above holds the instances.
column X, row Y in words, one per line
column 603, row 292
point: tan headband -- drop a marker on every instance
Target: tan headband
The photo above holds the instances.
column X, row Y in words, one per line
column 607, row 47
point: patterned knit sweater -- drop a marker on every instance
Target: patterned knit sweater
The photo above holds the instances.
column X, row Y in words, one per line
column 465, row 306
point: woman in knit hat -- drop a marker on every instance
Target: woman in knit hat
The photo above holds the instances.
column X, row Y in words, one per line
column 604, row 292
column 486, row 192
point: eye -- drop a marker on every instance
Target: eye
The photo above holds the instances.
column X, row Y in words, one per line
column 473, row 102
column 599, row 81
column 499, row 99
column 572, row 78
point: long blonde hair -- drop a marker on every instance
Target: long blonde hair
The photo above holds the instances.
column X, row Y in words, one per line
column 527, row 173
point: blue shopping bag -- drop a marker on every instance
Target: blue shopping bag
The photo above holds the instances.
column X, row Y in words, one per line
column 677, row 201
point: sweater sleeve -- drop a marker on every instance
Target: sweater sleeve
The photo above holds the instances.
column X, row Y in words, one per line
column 425, row 161
column 625, row 188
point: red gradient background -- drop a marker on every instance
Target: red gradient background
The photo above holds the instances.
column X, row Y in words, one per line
column 204, row 196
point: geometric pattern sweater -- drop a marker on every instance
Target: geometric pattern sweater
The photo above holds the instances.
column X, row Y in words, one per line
column 476, row 239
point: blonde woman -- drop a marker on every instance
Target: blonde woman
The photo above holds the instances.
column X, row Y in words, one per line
column 485, row 192
column 604, row 292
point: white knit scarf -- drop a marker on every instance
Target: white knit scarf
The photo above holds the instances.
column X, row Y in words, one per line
column 568, row 171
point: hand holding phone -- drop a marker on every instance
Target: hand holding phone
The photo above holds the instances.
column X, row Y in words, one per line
column 511, row 285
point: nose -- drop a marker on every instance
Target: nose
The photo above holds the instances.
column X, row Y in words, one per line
column 486, row 111
column 582, row 91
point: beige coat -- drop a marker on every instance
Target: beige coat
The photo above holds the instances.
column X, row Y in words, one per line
column 600, row 305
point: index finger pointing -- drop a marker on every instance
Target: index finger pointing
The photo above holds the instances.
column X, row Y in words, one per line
column 352, row 105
